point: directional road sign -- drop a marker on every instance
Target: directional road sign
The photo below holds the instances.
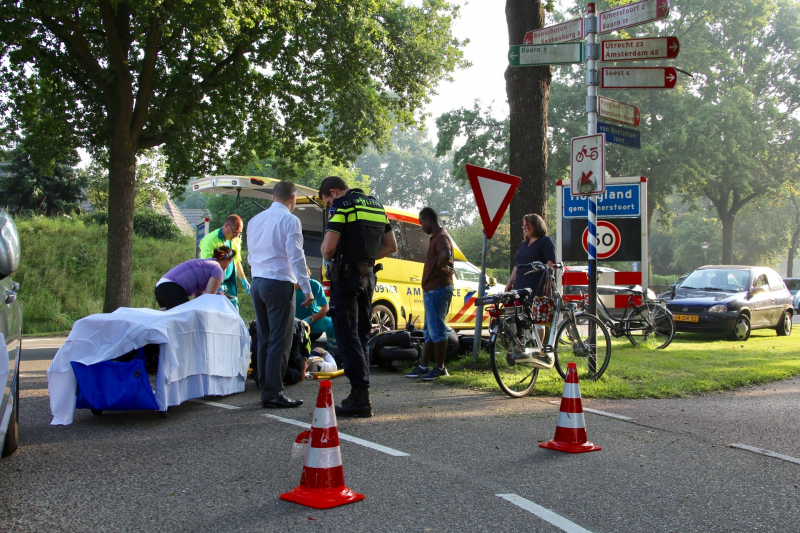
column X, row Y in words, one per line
column 632, row 15
column 628, row 137
column 588, row 166
column 560, row 33
column 493, row 192
column 638, row 49
column 545, row 54
column 639, row 78
column 618, row 111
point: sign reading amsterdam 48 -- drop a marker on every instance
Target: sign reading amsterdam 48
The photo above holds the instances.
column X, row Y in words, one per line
column 639, row 49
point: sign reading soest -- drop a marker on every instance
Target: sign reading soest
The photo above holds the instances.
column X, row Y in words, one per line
column 639, row 78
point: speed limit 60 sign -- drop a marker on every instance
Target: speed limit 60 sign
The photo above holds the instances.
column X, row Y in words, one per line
column 608, row 239
column 588, row 166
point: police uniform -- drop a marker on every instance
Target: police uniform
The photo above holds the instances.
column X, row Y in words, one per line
column 361, row 223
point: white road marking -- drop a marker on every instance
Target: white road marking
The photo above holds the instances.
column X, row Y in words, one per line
column 768, row 453
column 545, row 514
column 612, row 415
column 348, row 438
column 601, row 413
column 215, row 404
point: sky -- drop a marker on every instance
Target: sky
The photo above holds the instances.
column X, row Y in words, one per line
column 483, row 22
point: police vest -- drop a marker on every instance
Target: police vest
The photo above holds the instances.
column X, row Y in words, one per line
column 361, row 222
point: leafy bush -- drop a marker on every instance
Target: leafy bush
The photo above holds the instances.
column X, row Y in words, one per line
column 146, row 223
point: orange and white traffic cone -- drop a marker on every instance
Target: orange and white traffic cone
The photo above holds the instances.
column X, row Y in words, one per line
column 571, row 429
column 322, row 483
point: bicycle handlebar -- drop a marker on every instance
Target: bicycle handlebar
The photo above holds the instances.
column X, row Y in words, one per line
column 503, row 297
column 538, row 266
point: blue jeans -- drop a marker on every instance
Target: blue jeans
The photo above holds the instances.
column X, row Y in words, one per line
column 437, row 304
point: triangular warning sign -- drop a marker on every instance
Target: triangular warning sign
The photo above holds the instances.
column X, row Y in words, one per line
column 493, row 192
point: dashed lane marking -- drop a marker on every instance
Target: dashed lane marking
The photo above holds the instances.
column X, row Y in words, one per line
column 545, row 514
column 601, row 413
column 344, row 436
column 215, row 404
column 768, row 453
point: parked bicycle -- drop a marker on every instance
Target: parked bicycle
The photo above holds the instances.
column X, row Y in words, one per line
column 516, row 350
column 649, row 323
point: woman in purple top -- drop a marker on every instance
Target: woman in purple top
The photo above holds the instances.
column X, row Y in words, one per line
column 537, row 246
column 193, row 278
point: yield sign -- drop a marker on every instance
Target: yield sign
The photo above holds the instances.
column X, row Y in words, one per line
column 493, row 192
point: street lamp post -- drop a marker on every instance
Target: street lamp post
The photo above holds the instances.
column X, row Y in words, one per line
column 704, row 246
column 444, row 216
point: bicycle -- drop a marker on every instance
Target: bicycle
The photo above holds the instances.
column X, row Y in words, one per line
column 516, row 352
column 647, row 323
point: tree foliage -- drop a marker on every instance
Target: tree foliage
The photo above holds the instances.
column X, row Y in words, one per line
column 408, row 174
column 196, row 77
column 30, row 188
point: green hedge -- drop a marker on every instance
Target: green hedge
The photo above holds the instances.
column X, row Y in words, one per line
column 146, row 223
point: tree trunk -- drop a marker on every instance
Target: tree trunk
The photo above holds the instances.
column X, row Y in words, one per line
column 728, row 227
column 793, row 245
column 528, row 91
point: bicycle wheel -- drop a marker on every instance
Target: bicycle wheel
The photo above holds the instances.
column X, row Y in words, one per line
column 649, row 324
column 572, row 346
column 515, row 380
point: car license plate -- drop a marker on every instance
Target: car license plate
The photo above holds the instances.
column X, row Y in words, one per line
column 686, row 318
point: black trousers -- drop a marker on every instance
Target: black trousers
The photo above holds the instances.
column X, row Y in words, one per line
column 169, row 295
column 351, row 302
column 273, row 301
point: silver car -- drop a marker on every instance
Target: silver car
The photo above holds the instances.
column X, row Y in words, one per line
column 11, row 333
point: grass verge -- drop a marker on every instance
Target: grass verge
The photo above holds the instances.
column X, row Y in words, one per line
column 691, row 365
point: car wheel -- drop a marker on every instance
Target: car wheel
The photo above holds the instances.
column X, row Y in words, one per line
column 382, row 319
column 785, row 325
column 741, row 330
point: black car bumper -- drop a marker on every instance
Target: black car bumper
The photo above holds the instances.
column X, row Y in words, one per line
column 716, row 322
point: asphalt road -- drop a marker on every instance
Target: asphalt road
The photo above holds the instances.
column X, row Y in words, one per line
column 670, row 467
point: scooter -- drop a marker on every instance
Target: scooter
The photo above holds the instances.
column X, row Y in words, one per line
column 404, row 345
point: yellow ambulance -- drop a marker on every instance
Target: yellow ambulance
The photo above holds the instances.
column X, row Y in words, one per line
column 398, row 292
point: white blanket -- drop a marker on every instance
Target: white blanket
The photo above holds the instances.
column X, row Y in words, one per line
column 204, row 350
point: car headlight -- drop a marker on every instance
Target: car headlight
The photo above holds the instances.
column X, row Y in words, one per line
column 718, row 309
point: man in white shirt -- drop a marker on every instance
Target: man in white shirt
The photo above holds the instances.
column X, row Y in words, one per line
column 277, row 262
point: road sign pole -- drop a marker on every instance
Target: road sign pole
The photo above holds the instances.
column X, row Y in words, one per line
column 476, row 344
column 591, row 112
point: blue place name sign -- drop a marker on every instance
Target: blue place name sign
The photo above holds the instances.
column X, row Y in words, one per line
column 627, row 137
column 617, row 201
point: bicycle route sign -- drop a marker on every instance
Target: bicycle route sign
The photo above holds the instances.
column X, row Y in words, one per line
column 632, row 15
column 639, row 49
column 639, row 78
column 545, row 54
column 588, row 165
column 628, row 137
column 559, row 33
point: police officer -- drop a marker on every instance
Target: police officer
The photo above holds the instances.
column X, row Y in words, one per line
column 357, row 233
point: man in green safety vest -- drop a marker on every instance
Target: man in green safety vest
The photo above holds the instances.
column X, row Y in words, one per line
column 228, row 235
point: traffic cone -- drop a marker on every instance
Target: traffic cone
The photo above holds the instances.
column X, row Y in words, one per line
column 571, row 429
column 322, row 483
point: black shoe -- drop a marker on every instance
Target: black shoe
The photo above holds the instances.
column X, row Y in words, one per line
column 281, row 402
column 355, row 405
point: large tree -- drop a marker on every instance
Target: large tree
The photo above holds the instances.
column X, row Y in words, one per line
column 528, row 91
column 197, row 76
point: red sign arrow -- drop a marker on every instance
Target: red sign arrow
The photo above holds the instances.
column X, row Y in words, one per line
column 586, row 178
column 662, row 9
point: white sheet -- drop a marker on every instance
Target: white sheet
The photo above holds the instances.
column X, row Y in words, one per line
column 205, row 350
